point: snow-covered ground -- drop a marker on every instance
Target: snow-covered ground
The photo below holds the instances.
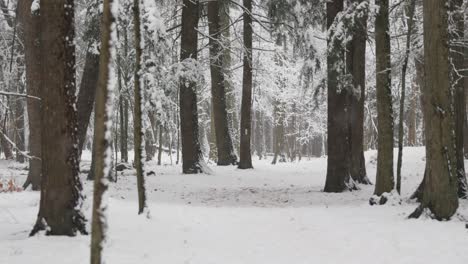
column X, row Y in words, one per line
column 272, row 214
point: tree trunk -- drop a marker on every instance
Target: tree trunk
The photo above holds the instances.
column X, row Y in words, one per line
column 102, row 138
column 232, row 111
column 138, row 115
column 87, row 92
column 191, row 151
column 32, row 34
column 59, row 209
column 384, row 179
column 356, row 64
column 457, row 67
column 245, row 161
column 224, row 147
column 440, row 181
column 410, row 15
column 123, row 114
column 338, row 162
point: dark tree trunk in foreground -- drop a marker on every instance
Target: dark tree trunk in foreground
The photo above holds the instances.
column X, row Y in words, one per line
column 59, row 209
column 245, row 161
column 101, row 126
column 191, row 152
column 440, row 180
column 31, row 31
column 138, row 115
column 457, row 78
column 410, row 14
column 384, row 179
column 356, row 63
column 339, row 155
column 225, row 150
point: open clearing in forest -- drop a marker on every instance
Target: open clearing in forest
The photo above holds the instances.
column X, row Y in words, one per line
column 272, row 214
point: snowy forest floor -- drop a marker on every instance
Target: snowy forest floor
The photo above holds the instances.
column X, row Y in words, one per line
column 272, row 214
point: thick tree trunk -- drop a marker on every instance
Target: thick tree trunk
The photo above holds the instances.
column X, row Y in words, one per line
column 191, row 151
column 31, row 31
column 338, row 162
column 224, row 147
column 245, row 161
column 440, row 181
column 59, row 210
column 356, row 64
column 384, row 179
column 102, row 127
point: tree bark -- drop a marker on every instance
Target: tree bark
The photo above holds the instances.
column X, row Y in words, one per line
column 138, row 115
column 457, row 67
column 384, row 179
column 32, row 33
column 224, row 147
column 440, row 181
column 191, row 151
column 356, row 64
column 245, row 161
column 59, row 209
column 102, row 127
column 410, row 14
column 87, row 92
column 338, row 163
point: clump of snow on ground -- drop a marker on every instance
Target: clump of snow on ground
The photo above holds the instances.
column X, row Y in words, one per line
column 271, row 214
